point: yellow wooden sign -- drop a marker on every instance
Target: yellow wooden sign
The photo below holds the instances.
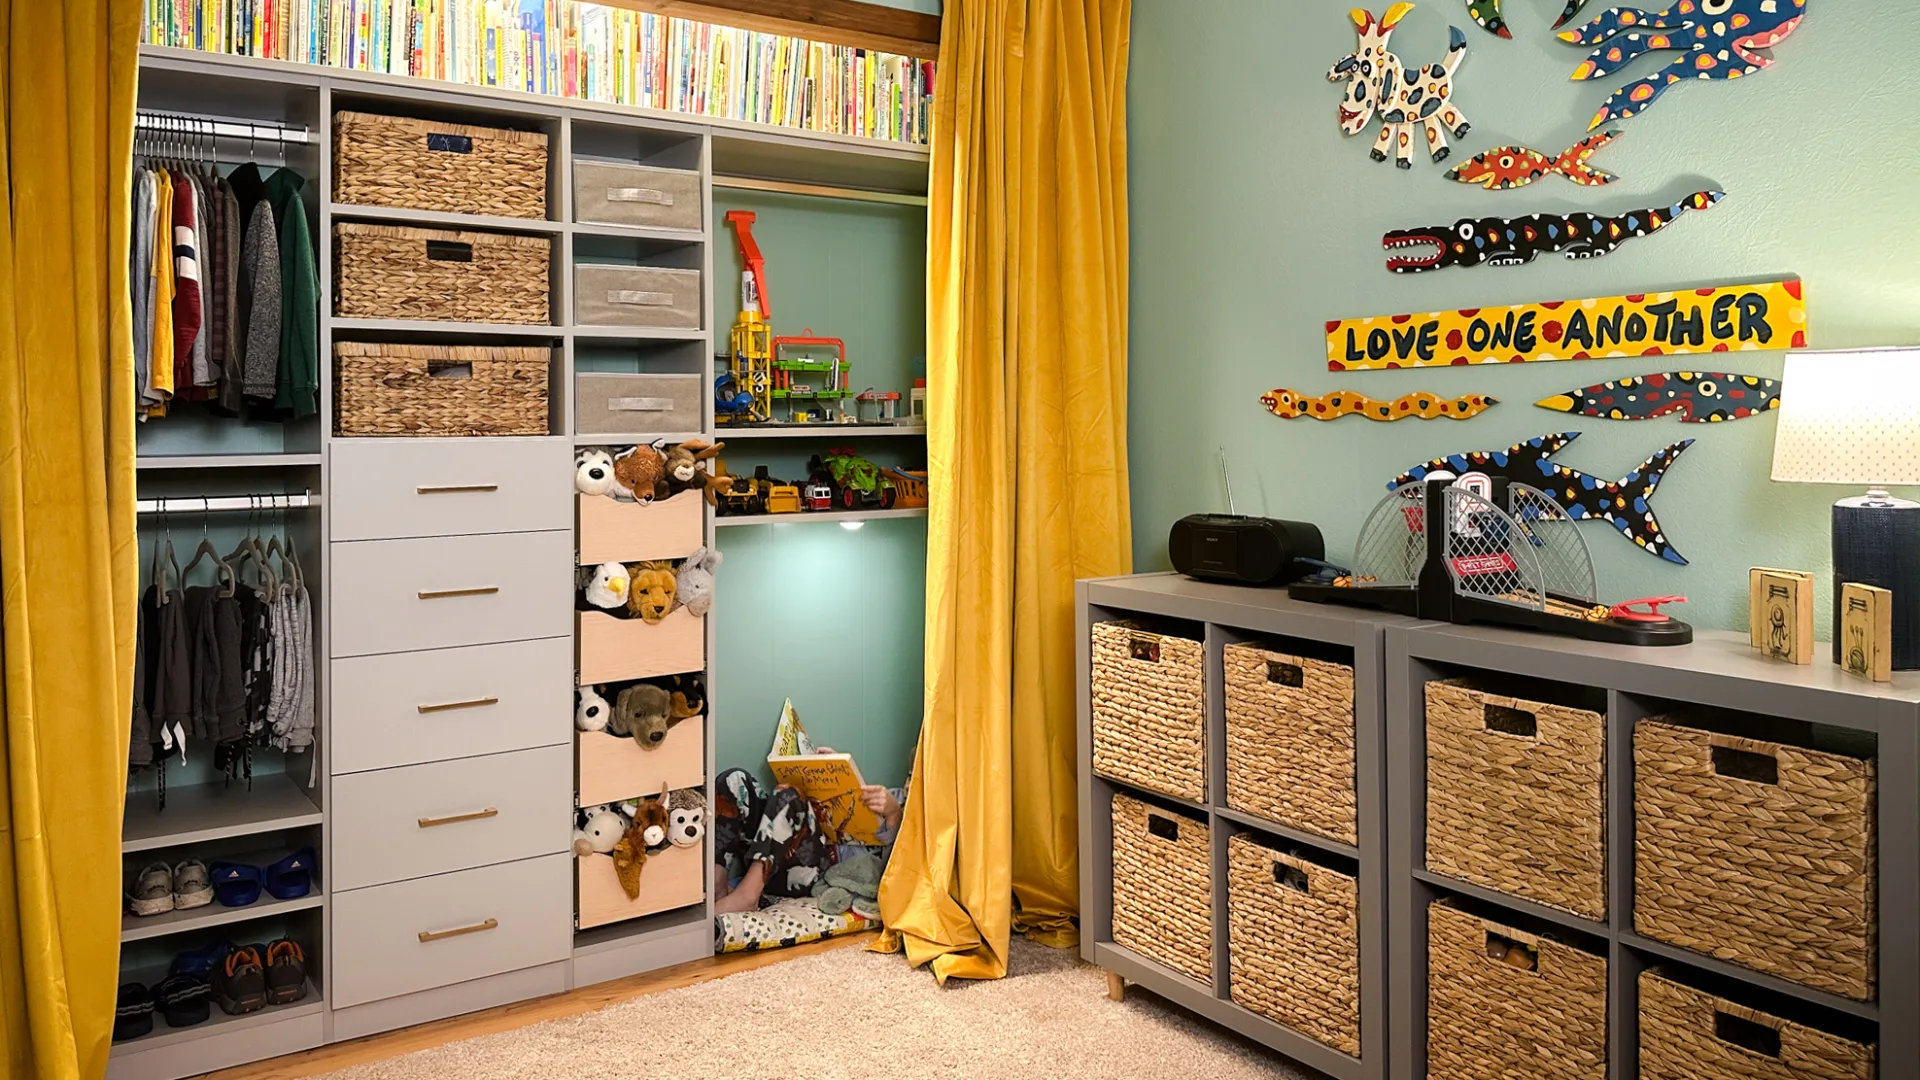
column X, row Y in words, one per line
column 1735, row 318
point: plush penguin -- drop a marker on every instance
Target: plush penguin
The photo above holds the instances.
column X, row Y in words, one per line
column 695, row 586
column 593, row 711
column 608, row 588
column 686, row 817
column 593, row 473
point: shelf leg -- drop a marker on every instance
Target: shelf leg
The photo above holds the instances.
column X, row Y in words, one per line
column 1116, row 987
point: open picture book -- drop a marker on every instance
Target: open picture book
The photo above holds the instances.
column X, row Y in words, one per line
column 830, row 780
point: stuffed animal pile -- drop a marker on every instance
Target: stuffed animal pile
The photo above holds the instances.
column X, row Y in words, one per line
column 643, row 711
column 649, row 471
column 636, row 830
column 651, row 590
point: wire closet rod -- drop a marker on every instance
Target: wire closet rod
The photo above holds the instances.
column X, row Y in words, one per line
column 215, row 504
column 221, row 127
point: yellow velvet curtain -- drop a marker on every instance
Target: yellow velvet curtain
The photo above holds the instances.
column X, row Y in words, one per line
column 67, row 551
column 1027, row 377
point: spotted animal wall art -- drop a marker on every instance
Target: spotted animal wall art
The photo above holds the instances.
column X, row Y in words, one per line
column 1507, row 167
column 1516, row 242
column 1487, row 14
column 1716, row 39
column 1697, row 397
column 1292, row 405
column 1410, row 101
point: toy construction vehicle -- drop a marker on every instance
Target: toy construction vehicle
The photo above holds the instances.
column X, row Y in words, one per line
column 747, row 494
column 857, row 484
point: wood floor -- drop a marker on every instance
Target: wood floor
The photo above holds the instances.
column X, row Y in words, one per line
column 520, row 1014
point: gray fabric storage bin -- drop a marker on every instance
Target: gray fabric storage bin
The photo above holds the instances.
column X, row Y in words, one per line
column 611, row 295
column 611, row 404
column 616, row 194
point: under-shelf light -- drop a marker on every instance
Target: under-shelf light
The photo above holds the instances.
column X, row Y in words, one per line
column 851, row 524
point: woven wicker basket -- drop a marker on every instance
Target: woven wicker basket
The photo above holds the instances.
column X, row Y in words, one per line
column 1163, row 887
column 1686, row 1034
column 426, row 165
column 1516, row 796
column 1772, row 869
column 388, row 272
column 1149, row 715
column 1293, row 940
column 1490, row 1017
column 439, row 390
column 1290, row 740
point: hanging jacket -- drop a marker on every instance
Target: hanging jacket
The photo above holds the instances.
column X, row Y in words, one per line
column 186, row 295
column 260, row 305
column 298, row 372
column 160, row 363
column 229, row 337
column 140, row 735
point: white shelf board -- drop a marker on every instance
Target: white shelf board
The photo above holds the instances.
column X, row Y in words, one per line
column 388, row 215
column 218, row 1022
column 636, row 333
column 215, row 811
column 631, row 438
column 636, row 232
column 820, row 517
column 823, row 431
column 224, row 461
column 138, row 927
column 458, row 329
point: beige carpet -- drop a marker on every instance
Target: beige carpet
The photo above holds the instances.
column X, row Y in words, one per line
column 861, row 1016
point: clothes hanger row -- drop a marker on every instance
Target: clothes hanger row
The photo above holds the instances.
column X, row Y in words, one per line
column 174, row 139
column 268, row 578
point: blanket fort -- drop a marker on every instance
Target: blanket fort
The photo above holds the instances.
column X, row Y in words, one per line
column 1733, row 318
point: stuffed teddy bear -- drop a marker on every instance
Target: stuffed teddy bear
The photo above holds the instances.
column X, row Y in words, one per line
column 685, row 474
column 651, row 590
column 597, row 830
column 593, row 711
column 851, row 885
column 641, row 473
column 686, row 817
column 593, row 473
column 695, row 582
column 645, row 712
column 607, row 589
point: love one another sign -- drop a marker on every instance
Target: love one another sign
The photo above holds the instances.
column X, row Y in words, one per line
column 1736, row 318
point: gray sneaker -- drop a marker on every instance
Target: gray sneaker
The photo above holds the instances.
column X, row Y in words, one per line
column 152, row 892
column 192, row 887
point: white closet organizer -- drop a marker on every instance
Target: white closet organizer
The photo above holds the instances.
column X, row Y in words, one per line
column 441, row 571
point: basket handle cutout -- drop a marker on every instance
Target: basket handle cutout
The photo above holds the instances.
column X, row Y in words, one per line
column 640, row 195
column 1510, row 721
column 1163, row 827
column 1145, row 649
column 1746, row 765
column 1752, row 1037
column 1292, row 877
column 448, row 143
column 449, row 251
column 1281, row 673
column 1518, row 955
column 438, row 370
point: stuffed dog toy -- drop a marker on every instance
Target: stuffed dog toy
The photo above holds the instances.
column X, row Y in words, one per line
column 593, row 711
column 593, row 473
column 645, row 712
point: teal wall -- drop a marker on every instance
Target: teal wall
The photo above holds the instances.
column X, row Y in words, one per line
column 827, row 616
column 1254, row 220
column 930, row 7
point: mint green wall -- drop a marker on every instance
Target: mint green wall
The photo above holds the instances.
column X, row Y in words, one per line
column 827, row 616
column 1254, row 220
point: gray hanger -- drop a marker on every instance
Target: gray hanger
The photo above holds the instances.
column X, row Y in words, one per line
column 207, row 550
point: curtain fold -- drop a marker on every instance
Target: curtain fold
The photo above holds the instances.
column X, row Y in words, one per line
column 1026, row 447
column 68, row 579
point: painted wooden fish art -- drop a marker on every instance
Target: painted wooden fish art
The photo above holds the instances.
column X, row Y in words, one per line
column 1506, row 167
column 1700, row 397
column 1487, row 14
column 1291, row 405
column 1626, row 504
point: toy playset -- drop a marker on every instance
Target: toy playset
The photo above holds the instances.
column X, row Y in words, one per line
column 839, row 479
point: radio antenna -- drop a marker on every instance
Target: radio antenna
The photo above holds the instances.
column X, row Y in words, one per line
column 1226, row 475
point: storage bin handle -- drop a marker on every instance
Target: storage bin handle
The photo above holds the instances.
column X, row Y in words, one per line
column 1741, row 762
column 449, row 706
column 1747, row 1030
column 1507, row 720
column 1146, row 649
column 448, row 143
column 449, row 251
column 455, row 819
column 639, row 404
column 442, row 935
column 1503, row 949
column 640, row 195
column 455, row 489
column 442, row 594
column 1292, row 877
column 1163, row 827
column 639, row 298
column 1281, row 673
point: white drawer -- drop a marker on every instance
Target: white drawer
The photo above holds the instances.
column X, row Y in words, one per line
column 475, row 923
column 396, row 824
column 389, row 489
column 403, row 595
column 409, row 708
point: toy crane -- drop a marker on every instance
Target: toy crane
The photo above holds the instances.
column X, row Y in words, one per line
column 744, row 395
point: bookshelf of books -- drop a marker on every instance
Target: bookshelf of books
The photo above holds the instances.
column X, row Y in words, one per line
column 599, row 92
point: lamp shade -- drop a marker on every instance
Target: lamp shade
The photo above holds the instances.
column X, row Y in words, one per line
column 1850, row 418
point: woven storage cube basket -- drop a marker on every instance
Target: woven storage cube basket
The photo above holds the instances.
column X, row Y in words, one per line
column 1290, row 740
column 1488, row 1019
column 439, row 390
column 1758, row 853
column 1687, row 1034
column 1163, row 887
column 1516, row 796
column 391, row 272
column 1149, row 714
column 415, row 164
column 1293, row 940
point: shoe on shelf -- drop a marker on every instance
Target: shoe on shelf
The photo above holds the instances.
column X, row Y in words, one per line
column 236, row 884
column 132, row 1012
column 152, row 892
column 286, row 972
column 183, row 1000
column 202, row 962
column 192, row 886
column 240, row 982
column 292, row 877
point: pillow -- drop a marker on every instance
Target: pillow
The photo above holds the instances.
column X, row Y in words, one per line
column 783, row 923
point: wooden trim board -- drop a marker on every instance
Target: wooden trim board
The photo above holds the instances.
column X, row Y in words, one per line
column 838, row 22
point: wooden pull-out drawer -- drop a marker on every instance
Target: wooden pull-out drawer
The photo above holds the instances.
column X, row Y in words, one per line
column 404, row 595
column 410, row 708
column 389, row 489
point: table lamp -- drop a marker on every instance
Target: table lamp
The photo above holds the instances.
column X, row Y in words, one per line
column 1854, row 418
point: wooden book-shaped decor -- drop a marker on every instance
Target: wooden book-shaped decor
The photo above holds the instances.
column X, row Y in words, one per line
column 1780, row 613
column 1866, row 631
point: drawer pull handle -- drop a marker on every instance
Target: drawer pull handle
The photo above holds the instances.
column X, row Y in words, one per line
column 454, row 489
column 430, row 822
column 442, row 594
column 476, row 703
column 442, row 935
